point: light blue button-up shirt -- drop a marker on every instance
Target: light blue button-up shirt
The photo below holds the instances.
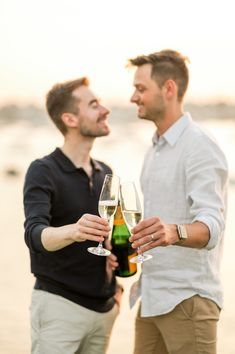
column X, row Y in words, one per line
column 184, row 179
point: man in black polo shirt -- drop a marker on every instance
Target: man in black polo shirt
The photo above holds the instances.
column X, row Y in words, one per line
column 73, row 307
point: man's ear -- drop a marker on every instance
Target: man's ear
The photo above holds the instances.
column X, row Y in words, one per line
column 170, row 89
column 70, row 120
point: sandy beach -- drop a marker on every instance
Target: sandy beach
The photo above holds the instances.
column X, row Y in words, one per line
column 16, row 281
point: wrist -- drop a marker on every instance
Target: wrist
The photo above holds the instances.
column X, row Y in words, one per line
column 175, row 235
column 71, row 233
column 181, row 233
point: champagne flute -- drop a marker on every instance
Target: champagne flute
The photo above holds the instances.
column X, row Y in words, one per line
column 132, row 213
column 108, row 202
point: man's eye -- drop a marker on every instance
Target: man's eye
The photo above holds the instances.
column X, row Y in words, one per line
column 140, row 89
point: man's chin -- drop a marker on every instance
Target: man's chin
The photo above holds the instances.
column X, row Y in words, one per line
column 104, row 132
column 142, row 116
column 96, row 134
column 104, row 129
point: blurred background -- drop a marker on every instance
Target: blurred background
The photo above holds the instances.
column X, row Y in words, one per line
column 50, row 41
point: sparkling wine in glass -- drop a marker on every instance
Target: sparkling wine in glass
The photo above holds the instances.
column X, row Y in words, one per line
column 132, row 213
column 108, row 202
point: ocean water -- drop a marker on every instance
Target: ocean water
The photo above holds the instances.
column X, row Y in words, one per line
column 124, row 150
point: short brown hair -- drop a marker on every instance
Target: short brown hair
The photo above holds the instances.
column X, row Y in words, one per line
column 60, row 99
column 166, row 64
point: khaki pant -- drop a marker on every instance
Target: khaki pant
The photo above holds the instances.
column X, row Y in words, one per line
column 189, row 329
column 59, row 326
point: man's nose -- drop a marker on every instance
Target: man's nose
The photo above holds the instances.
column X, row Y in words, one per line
column 134, row 98
column 105, row 110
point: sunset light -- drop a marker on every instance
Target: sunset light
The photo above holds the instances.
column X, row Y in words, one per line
column 48, row 41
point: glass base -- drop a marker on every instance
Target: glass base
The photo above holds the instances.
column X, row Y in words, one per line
column 141, row 258
column 99, row 251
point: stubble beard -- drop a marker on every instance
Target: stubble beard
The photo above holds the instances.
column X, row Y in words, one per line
column 155, row 113
column 95, row 132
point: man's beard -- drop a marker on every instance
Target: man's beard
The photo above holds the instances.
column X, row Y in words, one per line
column 154, row 114
column 94, row 132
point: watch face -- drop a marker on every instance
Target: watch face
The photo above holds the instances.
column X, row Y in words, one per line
column 182, row 232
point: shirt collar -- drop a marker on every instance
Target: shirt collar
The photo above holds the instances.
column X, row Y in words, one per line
column 173, row 133
column 96, row 165
column 68, row 166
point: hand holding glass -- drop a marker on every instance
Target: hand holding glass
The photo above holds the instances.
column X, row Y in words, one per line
column 132, row 212
column 108, row 202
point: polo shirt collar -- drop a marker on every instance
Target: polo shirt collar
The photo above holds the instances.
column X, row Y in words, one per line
column 68, row 166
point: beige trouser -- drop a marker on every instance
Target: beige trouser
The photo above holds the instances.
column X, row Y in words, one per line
column 189, row 329
column 59, row 326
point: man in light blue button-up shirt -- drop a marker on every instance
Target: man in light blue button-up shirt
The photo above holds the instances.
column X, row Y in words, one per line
column 184, row 182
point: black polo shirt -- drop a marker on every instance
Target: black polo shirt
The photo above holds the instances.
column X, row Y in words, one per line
column 56, row 193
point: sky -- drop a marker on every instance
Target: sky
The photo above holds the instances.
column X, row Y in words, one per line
column 49, row 41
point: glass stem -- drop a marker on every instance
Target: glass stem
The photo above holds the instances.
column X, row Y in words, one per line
column 100, row 245
column 140, row 256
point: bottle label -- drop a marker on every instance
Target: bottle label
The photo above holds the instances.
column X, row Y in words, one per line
column 118, row 222
column 132, row 266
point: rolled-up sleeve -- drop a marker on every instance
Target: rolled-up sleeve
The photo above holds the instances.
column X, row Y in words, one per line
column 206, row 181
column 38, row 192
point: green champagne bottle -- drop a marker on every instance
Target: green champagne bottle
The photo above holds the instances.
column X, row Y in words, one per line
column 121, row 246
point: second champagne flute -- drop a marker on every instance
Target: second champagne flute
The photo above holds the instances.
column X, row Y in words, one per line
column 132, row 213
column 108, row 202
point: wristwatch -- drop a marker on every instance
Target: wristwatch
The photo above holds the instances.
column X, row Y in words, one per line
column 182, row 233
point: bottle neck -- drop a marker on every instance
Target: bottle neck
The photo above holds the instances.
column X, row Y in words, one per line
column 118, row 218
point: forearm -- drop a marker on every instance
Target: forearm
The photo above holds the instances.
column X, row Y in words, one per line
column 56, row 238
column 88, row 227
column 198, row 235
column 153, row 232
